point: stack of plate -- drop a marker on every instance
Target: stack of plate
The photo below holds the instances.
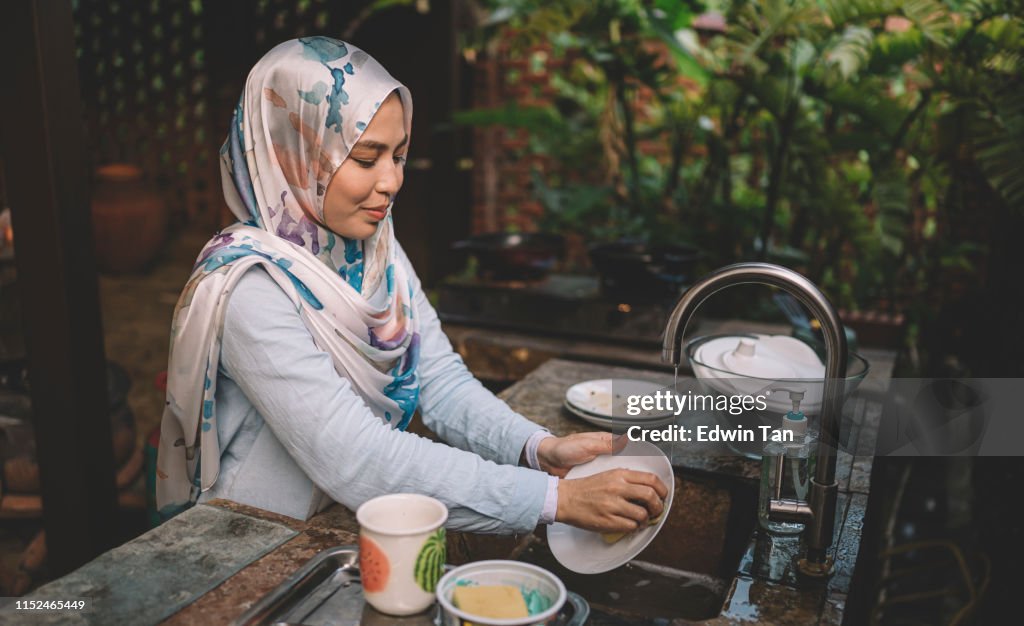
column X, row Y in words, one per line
column 603, row 403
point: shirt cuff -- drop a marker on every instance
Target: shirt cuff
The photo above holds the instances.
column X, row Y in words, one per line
column 547, row 514
column 531, row 448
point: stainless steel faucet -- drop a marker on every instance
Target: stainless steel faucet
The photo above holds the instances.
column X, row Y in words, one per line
column 818, row 513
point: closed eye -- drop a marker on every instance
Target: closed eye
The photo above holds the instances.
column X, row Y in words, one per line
column 399, row 159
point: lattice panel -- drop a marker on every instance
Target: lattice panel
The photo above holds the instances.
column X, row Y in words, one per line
column 160, row 78
column 277, row 20
column 145, row 93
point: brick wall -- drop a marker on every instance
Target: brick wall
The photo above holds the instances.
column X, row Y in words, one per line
column 502, row 182
column 502, row 173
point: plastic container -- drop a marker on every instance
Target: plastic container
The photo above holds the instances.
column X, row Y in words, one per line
column 797, row 466
column 529, row 578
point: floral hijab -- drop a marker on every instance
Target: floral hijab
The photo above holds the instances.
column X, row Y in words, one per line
column 304, row 106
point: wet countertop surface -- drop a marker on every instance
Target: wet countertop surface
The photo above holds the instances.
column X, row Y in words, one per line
column 242, row 553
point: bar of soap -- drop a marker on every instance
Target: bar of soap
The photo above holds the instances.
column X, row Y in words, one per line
column 495, row 601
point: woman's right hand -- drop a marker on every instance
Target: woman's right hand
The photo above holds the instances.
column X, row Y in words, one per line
column 618, row 500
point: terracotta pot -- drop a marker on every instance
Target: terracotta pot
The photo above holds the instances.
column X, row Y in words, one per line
column 876, row 328
column 129, row 219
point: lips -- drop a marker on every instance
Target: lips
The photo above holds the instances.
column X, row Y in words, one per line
column 377, row 213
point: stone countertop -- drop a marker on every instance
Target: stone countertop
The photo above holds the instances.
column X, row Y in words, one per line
column 335, row 526
column 208, row 565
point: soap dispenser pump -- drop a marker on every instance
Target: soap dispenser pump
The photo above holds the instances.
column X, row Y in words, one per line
column 787, row 465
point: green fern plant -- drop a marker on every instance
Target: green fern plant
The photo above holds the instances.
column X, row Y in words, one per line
column 810, row 114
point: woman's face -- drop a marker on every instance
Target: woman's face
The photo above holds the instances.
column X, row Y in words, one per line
column 361, row 190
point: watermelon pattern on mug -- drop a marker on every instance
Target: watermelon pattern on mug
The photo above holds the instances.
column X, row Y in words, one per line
column 374, row 568
column 430, row 561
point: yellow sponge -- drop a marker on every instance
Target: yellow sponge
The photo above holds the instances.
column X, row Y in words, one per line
column 611, row 538
column 495, row 601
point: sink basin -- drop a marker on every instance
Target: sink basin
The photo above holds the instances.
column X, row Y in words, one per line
column 688, row 568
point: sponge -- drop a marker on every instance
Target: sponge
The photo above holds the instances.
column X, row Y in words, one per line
column 495, row 601
column 611, row 538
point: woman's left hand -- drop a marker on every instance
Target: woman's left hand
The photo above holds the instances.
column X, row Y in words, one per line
column 557, row 455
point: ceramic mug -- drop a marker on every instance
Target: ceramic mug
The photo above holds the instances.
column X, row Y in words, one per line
column 401, row 551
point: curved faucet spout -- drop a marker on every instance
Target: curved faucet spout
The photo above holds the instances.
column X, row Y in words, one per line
column 822, row 496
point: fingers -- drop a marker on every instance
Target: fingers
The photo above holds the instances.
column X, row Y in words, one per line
column 633, row 512
column 618, row 500
column 648, row 479
column 640, row 495
column 647, row 498
column 594, row 443
column 595, row 505
column 620, row 524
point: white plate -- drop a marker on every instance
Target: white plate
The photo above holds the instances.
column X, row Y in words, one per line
column 617, row 422
column 607, row 398
column 586, row 552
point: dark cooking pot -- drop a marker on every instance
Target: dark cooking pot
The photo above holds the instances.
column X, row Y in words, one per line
column 639, row 270
column 514, row 256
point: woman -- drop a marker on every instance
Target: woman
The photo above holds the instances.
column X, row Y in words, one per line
column 303, row 343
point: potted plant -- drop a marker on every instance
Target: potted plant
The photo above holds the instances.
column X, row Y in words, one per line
column 620, row 105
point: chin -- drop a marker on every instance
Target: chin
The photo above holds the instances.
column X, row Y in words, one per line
column 366, row 231
column 356, row 231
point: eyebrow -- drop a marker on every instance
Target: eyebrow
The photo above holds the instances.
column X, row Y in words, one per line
column 377, row 146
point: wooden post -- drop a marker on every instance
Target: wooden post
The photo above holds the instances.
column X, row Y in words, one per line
column 448, row 199
column 48, row 191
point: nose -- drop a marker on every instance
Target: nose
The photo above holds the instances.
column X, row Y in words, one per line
column 390, row 180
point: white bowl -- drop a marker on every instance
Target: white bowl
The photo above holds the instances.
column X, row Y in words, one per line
column 514, row 573
column 716, row 375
